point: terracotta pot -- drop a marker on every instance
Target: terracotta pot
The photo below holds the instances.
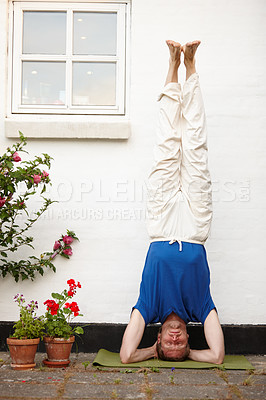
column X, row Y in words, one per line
column 58, row 351
column 22, row 352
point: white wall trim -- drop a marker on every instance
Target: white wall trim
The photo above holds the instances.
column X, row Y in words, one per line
column 67, row 129
column 73, row 1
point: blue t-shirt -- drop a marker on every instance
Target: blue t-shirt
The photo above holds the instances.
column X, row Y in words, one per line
column 175, row 281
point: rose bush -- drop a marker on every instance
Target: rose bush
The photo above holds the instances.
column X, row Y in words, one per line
column 19, row 181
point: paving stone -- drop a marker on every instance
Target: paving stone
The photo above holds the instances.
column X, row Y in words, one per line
column 186, row 377
column 178, row 392
column 4, row 356
column 33, row 397
column 259, row 362
column 256, row 392
column 238, row 378
column 81, row 357
column 28, row 390
column 106, row 378
column 89, row 391
column 10, row 375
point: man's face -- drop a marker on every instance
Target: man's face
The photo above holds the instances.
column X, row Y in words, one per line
column 173, row 339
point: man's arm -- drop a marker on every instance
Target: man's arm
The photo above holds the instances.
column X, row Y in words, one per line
column 215, row 340
column 129, row 351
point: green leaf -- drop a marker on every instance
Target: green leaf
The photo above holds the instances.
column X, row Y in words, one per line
column 64, row 255
column 10, row 188
column 43, row 189
column 78, row 330
column 57, row 296
column 9, row 164
column 3, row 254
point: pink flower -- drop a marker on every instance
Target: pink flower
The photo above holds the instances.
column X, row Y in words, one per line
column 2, row 201
column 16, row 157
column 67, row 239
column 37, row 179
column 68, row 252
column 45, row 174
column 57, row 245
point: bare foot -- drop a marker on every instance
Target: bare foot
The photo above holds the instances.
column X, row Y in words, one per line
column 175, row 49
column 189, row 50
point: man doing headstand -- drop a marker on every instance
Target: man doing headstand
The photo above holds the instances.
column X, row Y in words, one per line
column 176, row 278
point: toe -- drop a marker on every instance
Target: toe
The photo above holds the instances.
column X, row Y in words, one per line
column 196, row 42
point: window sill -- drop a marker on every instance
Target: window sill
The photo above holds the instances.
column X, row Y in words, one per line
column 72, row 129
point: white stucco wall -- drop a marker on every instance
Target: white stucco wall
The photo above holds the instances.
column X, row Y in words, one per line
column 91, row 175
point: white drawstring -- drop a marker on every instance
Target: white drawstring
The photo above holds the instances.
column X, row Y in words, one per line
column 178, row 241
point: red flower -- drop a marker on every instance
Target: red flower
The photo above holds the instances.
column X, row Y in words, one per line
column 37, row 178
column 54, row 309
column 45, row 174
column 2, row 201
column 67, row 239
column 74, row 308
column 71, row 293
column 68, row 252
column 16, row 157
column 49, row 303
column 52, row 306
column 73, row 287
column 57, row 245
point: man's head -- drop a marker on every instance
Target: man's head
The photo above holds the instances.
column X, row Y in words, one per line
column 172, row 342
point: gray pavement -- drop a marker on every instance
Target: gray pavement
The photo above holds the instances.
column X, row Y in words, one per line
column 83, row 381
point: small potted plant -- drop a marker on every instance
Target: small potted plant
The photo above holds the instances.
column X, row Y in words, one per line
column 59, row 334
column 29, row 329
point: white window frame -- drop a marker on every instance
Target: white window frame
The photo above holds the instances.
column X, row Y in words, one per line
column 18, row 57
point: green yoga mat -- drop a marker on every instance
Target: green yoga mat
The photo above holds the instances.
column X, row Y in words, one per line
column 106, row 358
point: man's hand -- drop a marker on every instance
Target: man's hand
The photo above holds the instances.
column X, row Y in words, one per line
column 129, row 352
column 215, row 339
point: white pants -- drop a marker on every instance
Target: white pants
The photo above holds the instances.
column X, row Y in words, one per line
column 179, row 187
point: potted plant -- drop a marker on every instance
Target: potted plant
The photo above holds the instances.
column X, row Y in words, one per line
column 59, row 334
column 26, row 337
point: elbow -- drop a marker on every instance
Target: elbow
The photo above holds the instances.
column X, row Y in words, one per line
column 219, row 358
column 124, row 357
column 124, row 360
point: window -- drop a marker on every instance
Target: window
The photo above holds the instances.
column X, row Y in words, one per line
column 68, row 58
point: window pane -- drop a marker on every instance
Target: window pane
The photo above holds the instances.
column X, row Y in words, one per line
column 95, row 33
column 43, row 83
column 94, row 83
column 44, row 32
